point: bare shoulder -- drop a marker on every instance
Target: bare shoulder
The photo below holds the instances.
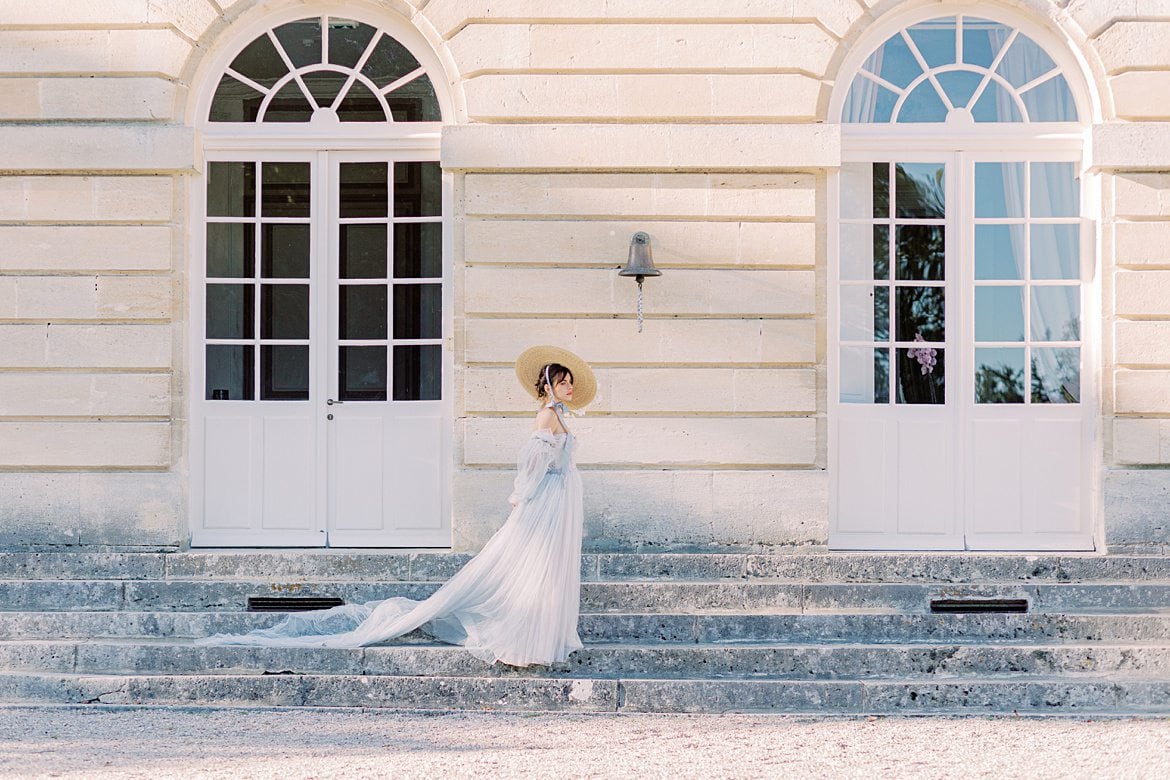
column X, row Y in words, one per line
column 546, row 420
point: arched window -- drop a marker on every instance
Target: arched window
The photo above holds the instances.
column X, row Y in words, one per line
column 960, row 404
column 320, row 376
column 959, row 68
column 324, row 69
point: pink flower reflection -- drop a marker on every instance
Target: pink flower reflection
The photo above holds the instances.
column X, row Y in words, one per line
column 927, row 358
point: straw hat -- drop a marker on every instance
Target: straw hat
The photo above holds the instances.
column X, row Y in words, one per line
column 533, row 360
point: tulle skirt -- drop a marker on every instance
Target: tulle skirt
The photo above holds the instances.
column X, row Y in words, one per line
column 517, row 602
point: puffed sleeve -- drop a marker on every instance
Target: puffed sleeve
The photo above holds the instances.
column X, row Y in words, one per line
column 533, row 462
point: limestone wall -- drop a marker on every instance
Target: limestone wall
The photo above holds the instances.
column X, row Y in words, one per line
column 578, row 123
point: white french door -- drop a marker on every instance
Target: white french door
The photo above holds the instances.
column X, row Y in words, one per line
column 319, row 417
column 959, row 401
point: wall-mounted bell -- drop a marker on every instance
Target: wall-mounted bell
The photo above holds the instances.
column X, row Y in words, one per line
column 640, row 265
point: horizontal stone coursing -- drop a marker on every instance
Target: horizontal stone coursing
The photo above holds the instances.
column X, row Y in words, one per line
column 1142, row 392
column 1144, row 342
column 657, row 441
column 79, row 147
column 72, row 248
column 607, row 242
column 106, row 99
column 85, row 297
column 640, row 147
column 595, row 291
column 55, row 345
column 1141, row 441
column 69, row 394
column 73, row 199
column 85, row 444
column 1130, row 146
column 764, row 195
column 143, row 50
column 1134, row 44
column 688, row 389
column 1141, row 195
column 1142, row 243
column 724, row 341
column 1143, row 293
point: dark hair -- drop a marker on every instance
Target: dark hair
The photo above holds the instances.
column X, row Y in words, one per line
column 555, row 373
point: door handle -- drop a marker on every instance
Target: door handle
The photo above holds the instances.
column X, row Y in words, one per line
column 331, row 402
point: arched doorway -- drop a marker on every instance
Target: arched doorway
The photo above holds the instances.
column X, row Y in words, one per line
column 961, row 400
column 320, row 295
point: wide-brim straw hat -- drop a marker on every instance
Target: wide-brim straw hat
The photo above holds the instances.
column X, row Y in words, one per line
column 533, row 360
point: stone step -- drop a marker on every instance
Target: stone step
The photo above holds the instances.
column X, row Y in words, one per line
column 660, row 628
column 1033, row 695
column 797, row 565
column 699, row 661
column 653, row 596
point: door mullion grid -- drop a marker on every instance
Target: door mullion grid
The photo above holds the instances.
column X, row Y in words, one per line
column 322, row 227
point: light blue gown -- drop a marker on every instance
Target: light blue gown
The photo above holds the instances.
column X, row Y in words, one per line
column 516, row 602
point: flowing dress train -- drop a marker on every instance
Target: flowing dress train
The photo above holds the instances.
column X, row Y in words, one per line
column 515, row 602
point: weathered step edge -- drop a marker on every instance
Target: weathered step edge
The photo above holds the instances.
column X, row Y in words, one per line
column 1032, row 696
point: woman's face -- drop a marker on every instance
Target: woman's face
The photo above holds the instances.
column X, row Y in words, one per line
column 564, row 388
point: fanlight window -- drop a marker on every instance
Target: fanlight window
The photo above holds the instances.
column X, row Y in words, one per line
column 959, row 69
column 325, row 69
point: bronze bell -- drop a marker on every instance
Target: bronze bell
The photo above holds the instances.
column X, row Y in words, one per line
column 641, row 262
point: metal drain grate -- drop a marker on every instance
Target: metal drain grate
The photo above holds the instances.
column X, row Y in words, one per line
column 291, row 603
column 966, row 606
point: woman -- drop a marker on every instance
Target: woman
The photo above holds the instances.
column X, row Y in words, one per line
column 517, row 601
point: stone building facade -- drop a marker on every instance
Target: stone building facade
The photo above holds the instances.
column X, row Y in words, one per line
column 722, row 129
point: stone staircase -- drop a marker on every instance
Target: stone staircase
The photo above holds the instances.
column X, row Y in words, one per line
column 803, row 631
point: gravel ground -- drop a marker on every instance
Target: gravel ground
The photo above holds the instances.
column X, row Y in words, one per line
column 254, row 744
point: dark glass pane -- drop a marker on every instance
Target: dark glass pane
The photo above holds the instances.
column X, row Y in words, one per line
column 1056, row 313
column 324, row 86
column 229, row 372
column 920, row 314
column 361, row 373
column 1056, row 251
column 289, row 105
column 364, row 190
column 230, row 309
column 999, row 189
column 284, row 372
column 348, row 41
column 418, row 250
column 921, row 377
column 1056, row 375
column 285, row 251
column 360, row 105
column 363, row 251
column 881, row 376
column 982, row 40
column 418, row 373
column 881, row 314
column 923, row 105
column 362, row 311
column 999, row 375
column 284, row 311
column 260, row 62
column 999, row 251
column 999, row 313
column 894, row 62
column 996, row 104
column 235, row 101
column 301, row 41
column 960, row 86
column 881, row 251
column 418, row 189
column 920, row 254
column 418, row 311
column 285, row 192
column 1051, row 101
column 881, row 190
column 389, row 62
column 935, row 40
column 231, row 189
column 415, row 101
column 920, row 190
column 231, row 249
